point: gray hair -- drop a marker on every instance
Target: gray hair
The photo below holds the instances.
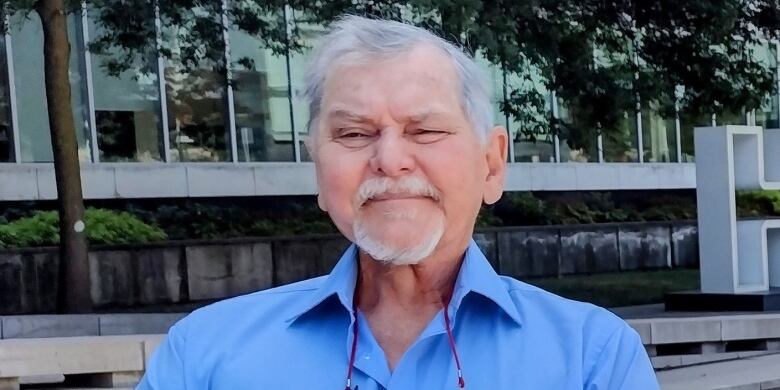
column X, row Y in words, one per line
column 352, row 36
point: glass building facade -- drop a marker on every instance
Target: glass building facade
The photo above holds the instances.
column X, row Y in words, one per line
column 159, row 111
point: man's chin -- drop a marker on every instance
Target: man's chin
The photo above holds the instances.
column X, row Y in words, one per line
column 397, row 252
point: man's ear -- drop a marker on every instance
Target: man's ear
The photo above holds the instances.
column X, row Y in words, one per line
column 495, row 155
column 308, row 142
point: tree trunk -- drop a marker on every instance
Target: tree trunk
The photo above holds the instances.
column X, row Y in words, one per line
column 74, row 285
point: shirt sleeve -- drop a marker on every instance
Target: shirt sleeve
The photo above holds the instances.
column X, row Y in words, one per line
column 622, row 364
column 165, row 370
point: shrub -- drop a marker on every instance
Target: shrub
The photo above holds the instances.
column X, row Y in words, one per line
column 102, row 227
column 487, row 218
column 37, row 230
column 758, row 203
column 527, row 209
column 196, row 220
column 522, row 208
column 111, row 227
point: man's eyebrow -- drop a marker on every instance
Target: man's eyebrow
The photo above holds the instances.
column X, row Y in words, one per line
column 347, row 114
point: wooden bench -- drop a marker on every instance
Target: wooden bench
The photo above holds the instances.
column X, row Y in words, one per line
column 97, row 361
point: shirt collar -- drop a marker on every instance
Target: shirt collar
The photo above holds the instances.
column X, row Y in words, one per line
column 340, row 283
column 476, row 275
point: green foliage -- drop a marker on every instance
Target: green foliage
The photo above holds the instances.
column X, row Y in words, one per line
column 102, row 227
column 201, row 220
column 111, row 227
column 758, row 203
column 486, row 218
column 37, row 230
column 526, row 209
column 599, row 57
column 195, row 220
column 522, row 208
column 291, row 227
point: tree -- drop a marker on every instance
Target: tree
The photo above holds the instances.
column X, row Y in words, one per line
column 200, row 28
column 602, row 57
column 74, row 285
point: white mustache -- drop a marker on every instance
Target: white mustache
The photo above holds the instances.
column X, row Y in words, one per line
column 410, row 185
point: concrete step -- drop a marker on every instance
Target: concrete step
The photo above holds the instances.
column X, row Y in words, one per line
column 677, row 361
column 760, row 373
column 98, row 361
column 71, row 325
column 707, row 328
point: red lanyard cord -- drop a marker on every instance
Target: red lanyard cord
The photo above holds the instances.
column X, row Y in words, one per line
column 461, row 381
column 353, row 352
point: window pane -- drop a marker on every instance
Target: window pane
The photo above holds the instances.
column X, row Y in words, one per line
column 620, row 145
column 767, row 115
column 687, row 124
column 27, row 44
column 6, row 132
column 195, row 97
column 262, row 107
column 309, row 34
column 196, row 114
column 495, row 78
column 730, row 118
column 658, row 137
column 537, row 148
column 127, row 110
column 531, row 136
column 585, row 153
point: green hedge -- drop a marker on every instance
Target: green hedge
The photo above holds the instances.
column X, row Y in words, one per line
column 529, row 209
column 204, row 220
column 102, row 227
column 758, row 203
column 195, row 220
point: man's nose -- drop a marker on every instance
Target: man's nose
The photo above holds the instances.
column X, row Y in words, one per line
column 392, row 155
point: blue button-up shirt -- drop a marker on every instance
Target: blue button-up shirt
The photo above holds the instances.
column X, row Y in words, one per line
column 509, row 335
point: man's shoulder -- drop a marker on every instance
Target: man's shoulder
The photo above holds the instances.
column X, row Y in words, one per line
column 609, row 349
column 536, row 304
column 271, row 306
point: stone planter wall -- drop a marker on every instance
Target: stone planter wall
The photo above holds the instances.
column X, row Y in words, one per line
column 188, row 272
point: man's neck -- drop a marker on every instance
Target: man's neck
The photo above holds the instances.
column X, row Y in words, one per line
column 399, row 301
column 429, row 283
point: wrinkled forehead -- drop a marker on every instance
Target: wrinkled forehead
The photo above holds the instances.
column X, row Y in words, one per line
column 419, row 79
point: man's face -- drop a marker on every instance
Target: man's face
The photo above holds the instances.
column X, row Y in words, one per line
column 400, row 169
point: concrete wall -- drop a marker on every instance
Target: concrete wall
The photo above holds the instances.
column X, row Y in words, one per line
column 188, row 272
column 145, row 180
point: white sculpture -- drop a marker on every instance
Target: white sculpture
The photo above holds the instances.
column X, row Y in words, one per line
column 736, row 256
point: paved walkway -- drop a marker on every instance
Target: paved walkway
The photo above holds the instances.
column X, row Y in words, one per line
column 759, row 373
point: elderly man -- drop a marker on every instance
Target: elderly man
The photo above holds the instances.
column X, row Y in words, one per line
column 405, row 155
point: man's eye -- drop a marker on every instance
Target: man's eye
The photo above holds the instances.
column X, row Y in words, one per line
column 427, row 131
column 354, row 135
column 428, row 135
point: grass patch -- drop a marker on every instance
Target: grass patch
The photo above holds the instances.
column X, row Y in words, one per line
column 621, row 288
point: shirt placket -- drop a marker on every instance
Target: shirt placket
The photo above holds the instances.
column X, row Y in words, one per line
column 425, row 347
column 370, row 360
